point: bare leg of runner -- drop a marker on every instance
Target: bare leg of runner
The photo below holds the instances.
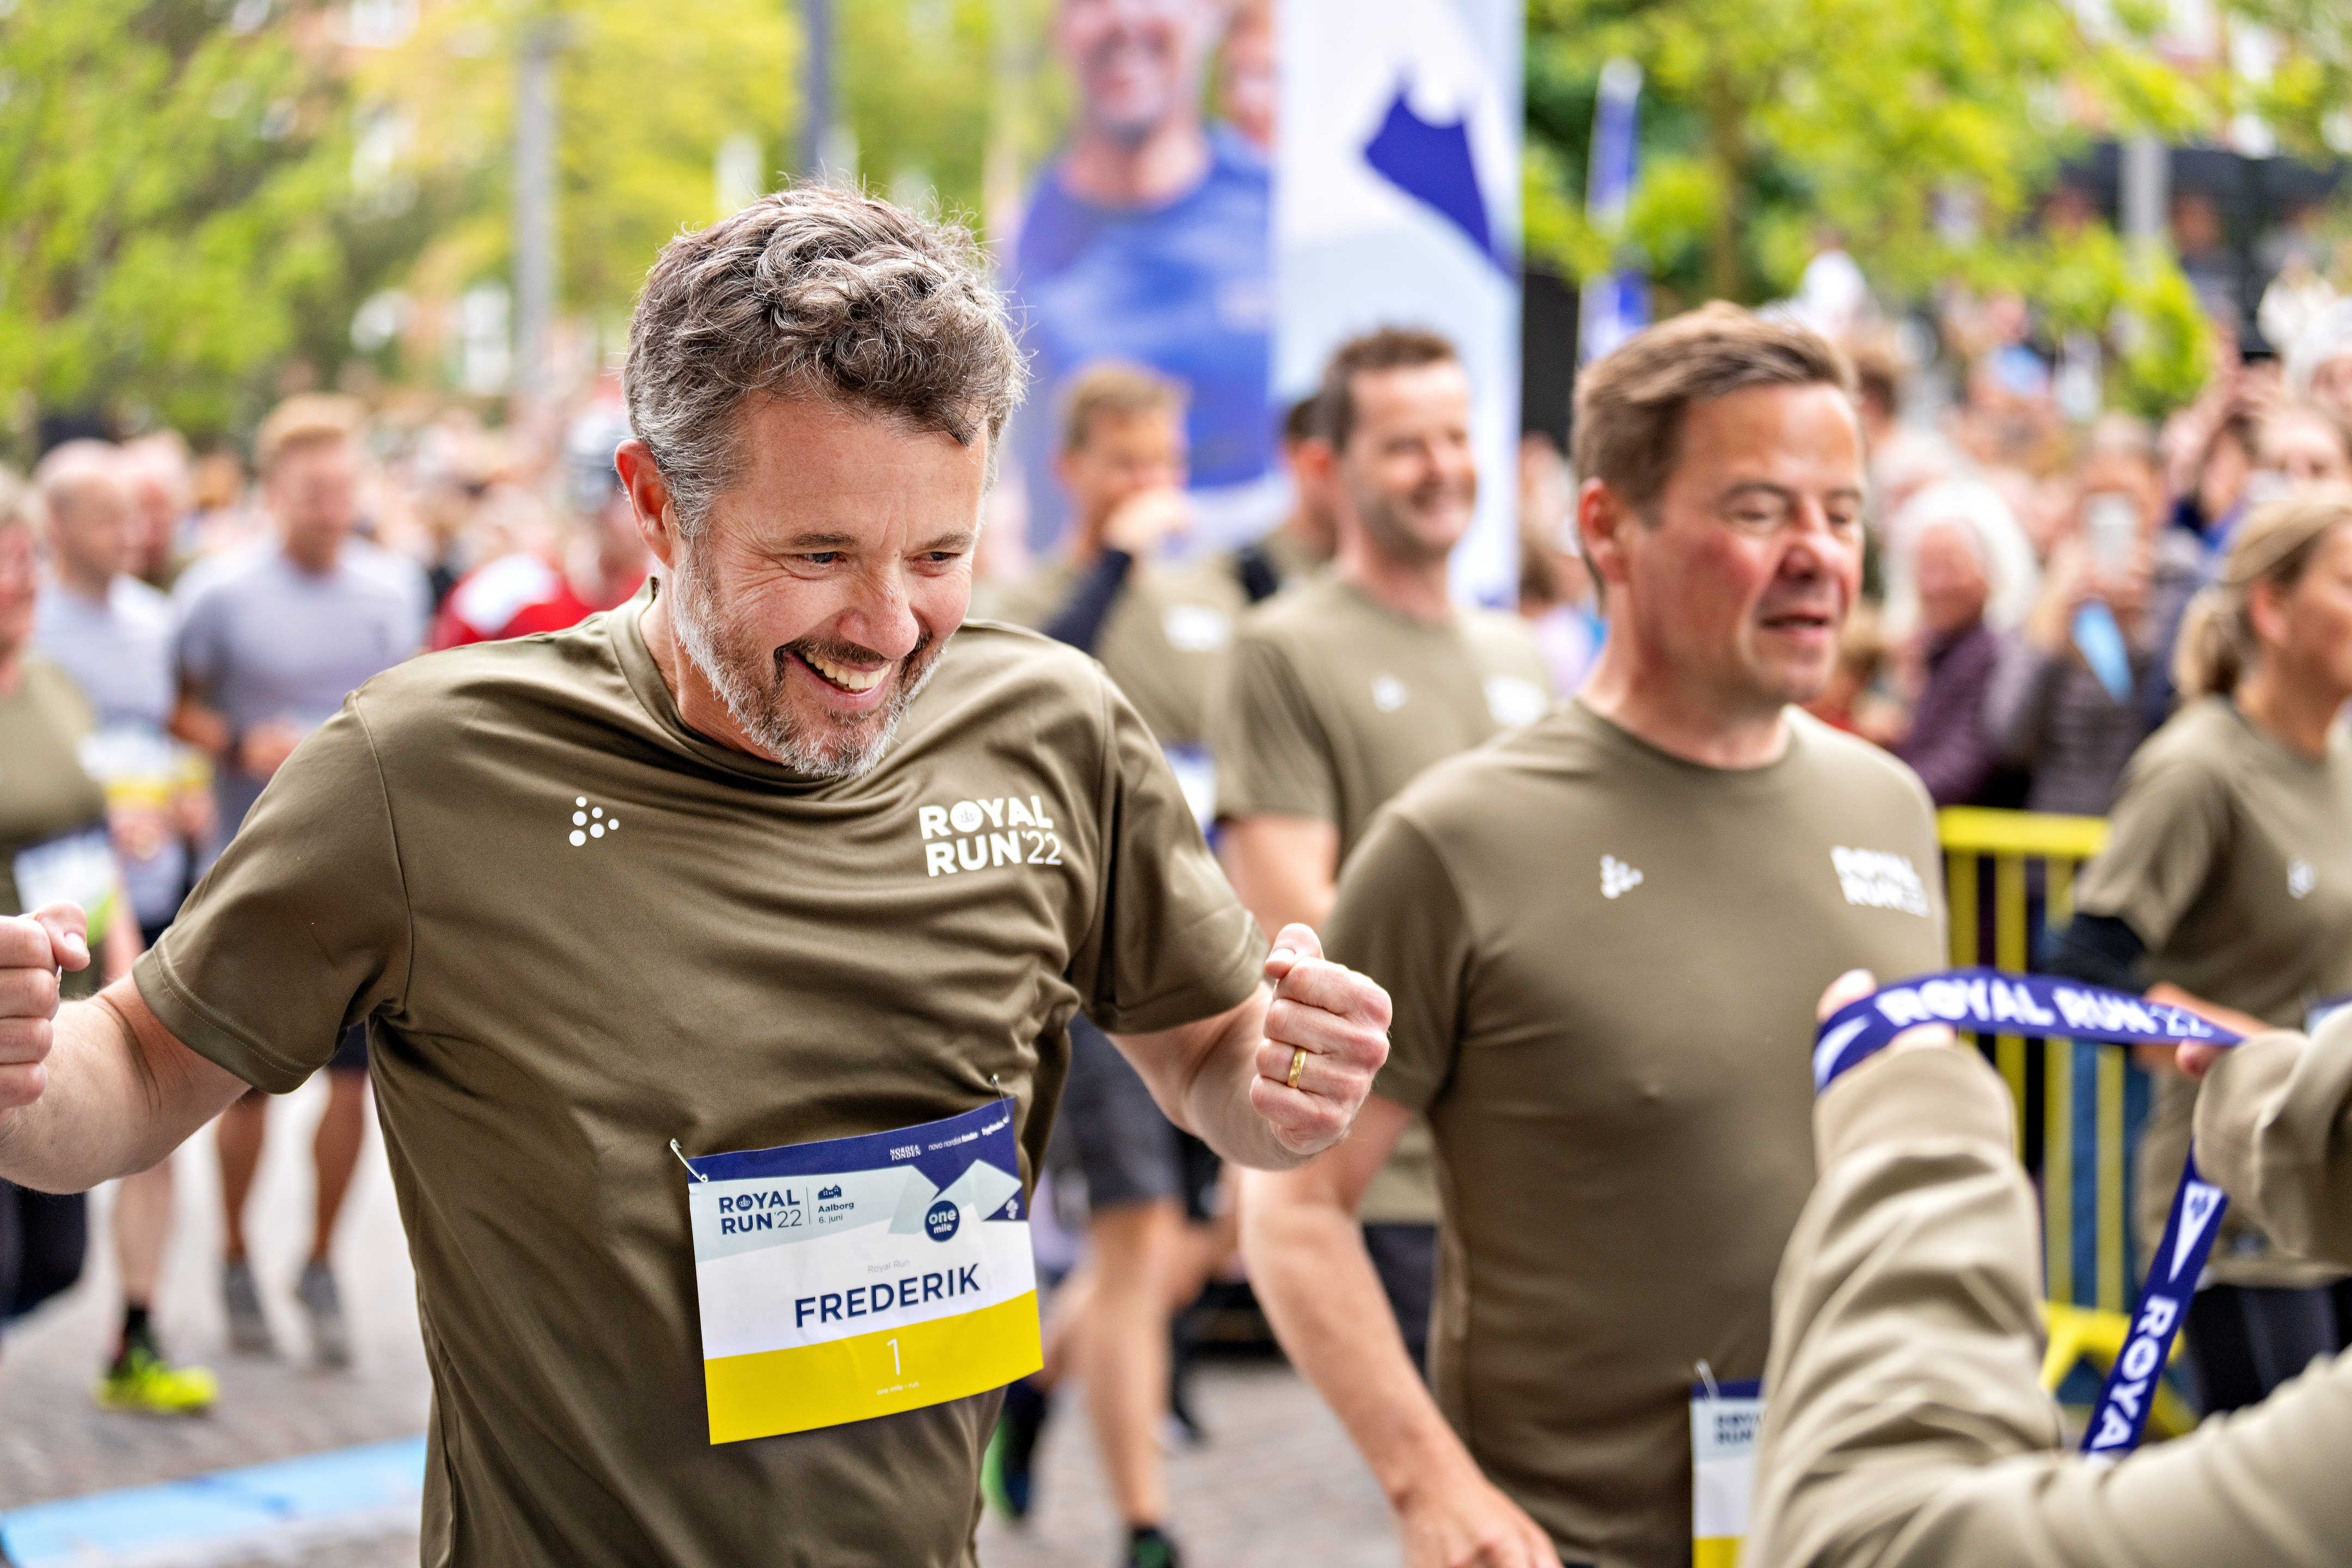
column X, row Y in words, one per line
column 237, row 1136
column 336, row 1151
column 1124, row 1354
column 141, row 1377
column 142, row 1227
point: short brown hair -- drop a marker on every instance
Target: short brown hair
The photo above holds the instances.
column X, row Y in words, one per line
column 1114, row 389
column 1386, row 348
column 1629, row 403
column 305, row 419
column 818, row 293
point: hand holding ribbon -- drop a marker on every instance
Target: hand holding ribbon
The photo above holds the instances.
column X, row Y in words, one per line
column 1860, row 1022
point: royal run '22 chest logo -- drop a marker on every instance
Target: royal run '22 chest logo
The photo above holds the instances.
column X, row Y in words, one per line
column 986, row 832
column 1879, row 880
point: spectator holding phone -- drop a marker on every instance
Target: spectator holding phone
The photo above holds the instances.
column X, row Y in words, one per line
column 2084, row 683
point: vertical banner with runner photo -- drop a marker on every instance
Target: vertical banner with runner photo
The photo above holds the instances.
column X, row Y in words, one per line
column 1397, row 204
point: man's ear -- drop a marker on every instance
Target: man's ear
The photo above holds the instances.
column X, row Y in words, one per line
column 648, row 498
column 1601, row 519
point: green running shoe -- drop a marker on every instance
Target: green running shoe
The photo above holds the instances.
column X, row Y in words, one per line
column 145, row 1382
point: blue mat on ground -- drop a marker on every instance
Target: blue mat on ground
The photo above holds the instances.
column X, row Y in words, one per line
column 371, row 1485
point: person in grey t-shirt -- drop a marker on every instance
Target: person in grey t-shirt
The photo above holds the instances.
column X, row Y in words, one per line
column 271, row 640
column 112, row 634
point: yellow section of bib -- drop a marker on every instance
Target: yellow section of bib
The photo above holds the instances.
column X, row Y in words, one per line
column 1715, row 1552
column 878, row 1373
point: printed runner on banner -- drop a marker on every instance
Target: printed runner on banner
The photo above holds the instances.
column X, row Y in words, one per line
column 860, row 1277
column 2028, row 1005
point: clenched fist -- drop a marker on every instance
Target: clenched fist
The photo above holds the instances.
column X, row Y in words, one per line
column 1339, row 1019
column 33, row 948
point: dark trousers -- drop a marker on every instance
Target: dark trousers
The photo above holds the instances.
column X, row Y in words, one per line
column 1405, row 1258
column 2246, row 1339
column 43, row 1239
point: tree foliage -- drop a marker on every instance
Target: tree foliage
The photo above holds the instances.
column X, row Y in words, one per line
column 171, row 225
column 1924, row 134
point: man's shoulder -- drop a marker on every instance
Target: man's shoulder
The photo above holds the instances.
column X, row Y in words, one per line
column 138, row 603
column 211, row 580
column 1490, row 791
column 1312, row 612
column 2202, row 744
column 997, row 660
column 377, row 569
column 1500, row 635
column 422, row 699
column 1851, row 762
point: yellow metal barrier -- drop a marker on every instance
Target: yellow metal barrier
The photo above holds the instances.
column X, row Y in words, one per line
column 2008, row 876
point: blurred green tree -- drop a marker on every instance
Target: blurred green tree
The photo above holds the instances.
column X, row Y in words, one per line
column 172, row 219
column 1922, row 135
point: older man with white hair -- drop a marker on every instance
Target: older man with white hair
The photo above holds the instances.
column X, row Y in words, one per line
column 1952, row 576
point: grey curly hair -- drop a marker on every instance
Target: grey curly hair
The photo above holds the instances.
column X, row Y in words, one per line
column 821, row 293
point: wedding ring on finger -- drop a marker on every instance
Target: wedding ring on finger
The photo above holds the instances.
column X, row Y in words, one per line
column 1298, row 1066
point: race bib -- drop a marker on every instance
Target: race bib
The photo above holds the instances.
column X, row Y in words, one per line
column 1725, row 1420
column 860, row 1277
column 73, row 869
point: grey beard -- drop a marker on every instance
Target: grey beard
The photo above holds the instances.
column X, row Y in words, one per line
column 758, row 708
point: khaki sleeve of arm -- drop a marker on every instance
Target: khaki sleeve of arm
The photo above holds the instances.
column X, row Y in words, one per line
column 1172, row 944
column 301, row 930
column 2168, row 826
column 1273, row 756
column 2274, row 1131
column 1399, row 919
column 1905, row 1425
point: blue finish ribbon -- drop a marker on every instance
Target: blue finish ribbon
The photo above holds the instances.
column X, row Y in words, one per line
column 1993, row 1001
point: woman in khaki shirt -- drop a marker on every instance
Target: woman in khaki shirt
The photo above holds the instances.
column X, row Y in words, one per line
column 2226, row 886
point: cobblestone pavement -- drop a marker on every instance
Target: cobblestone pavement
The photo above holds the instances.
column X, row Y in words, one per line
column 1277, row 1483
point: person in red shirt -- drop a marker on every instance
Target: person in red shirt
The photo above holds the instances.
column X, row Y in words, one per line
column 599, row 566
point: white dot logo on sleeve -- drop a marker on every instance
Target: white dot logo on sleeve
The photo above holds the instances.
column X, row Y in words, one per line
column 589, row 821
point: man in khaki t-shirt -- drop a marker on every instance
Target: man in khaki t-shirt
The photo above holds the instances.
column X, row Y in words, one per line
column 1605, row 934
column 774, row 855
column 1338, row 693
column 1160, row 628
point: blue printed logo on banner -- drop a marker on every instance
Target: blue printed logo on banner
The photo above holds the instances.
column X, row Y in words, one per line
column 941, row 1220
column 1431, row 163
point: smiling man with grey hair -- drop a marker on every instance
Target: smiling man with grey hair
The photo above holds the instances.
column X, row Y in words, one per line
column 774, row 871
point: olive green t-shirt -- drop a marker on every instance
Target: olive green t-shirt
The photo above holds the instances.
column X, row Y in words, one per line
column 2231, row 856
column 1605, row 961
column 579, row 931
column 1329, row 704
column 44, row 789
column 1162, row 639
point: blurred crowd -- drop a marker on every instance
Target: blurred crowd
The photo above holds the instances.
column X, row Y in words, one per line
column 2029, row 575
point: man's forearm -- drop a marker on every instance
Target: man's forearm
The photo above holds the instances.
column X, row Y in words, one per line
column 1315, row 1279
column 109, row 1109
